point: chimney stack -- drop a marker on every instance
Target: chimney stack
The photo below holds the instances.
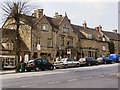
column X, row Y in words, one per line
column 57, row 15
column 115, row 31
column 84, row 24
column 98, row 28
column 38, row 13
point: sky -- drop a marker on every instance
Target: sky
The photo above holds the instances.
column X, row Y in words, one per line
column 94, row 12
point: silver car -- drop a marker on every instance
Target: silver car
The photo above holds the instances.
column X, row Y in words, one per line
column 66, row 62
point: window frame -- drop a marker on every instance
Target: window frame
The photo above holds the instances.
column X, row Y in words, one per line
column 44, row 27
column 62, row 41
column 49, row 43
column 104, row 48
column 65, row 29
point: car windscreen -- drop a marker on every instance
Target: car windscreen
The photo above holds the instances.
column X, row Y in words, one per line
column 89, row 59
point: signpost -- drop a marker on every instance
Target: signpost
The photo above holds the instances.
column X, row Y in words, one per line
column 69, row 52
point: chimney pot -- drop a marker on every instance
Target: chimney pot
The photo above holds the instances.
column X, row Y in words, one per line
column 84, row 24
column 115, row 31
column 57, row 15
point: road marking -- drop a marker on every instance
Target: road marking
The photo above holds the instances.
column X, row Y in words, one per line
column 113, row 74
column 57, row 82
column 101, row 76
column 25, row 86
column 87, row 78
column 51, row 82
column 34, row 85
column 72, row 80
column 118, row 74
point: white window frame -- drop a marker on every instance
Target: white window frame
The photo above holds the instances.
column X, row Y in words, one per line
column 103, row 39
column 103, row 48
column 44, row 27
column 90, row 36
column 65, row 29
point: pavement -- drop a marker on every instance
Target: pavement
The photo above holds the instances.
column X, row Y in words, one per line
column 7, row 72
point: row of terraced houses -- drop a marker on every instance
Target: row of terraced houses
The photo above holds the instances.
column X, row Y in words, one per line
column 50, row 37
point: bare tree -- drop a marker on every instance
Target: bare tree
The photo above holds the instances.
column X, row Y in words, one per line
column 13, row 10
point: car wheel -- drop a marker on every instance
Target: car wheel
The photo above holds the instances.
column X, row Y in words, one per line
column 51, row 67
column 97, row 63
column 37, row 69
column 112, row 62
column 105, row 62
column 89, row 64
column 77, row 65
column 65, row 66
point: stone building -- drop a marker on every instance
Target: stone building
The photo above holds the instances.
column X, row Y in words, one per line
column 50, row 37
column 91, row 42
column 46, row 36
column 115, row 38
column 8, row 50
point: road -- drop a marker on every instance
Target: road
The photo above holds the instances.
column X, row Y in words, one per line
column 101, row 76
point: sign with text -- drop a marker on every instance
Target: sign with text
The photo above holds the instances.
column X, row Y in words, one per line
column 68, row 51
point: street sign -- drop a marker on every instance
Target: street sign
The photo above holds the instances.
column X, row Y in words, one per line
column 68, row 51
column 38, row 47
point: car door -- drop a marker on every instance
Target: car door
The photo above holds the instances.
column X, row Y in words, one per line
column 69, row 62
column 92, row 61
column 74, row 62
column 40, row 63
column 45, row 64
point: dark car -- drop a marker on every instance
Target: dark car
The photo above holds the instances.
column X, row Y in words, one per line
column 104, row 60
column 88, row 61
column 39, row 64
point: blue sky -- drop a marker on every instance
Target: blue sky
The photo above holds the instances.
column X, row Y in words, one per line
column 94, row 12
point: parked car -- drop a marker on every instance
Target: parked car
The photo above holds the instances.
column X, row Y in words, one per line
column 39, row 64
column 88, row 61
column 66, row 62
column 100, row 60
column 114, row 57
column 104, row 60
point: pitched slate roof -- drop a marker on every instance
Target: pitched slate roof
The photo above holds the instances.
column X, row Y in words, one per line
column 76, row 29
column 11, row 34
column 112, row 35
column 30, row 20
column 55, row 21
column 96, row 35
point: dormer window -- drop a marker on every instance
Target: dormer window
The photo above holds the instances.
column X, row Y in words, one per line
column 44, row 27
column 10, row 46
column 89, row 36
column 103, row 39
column 65, row 29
